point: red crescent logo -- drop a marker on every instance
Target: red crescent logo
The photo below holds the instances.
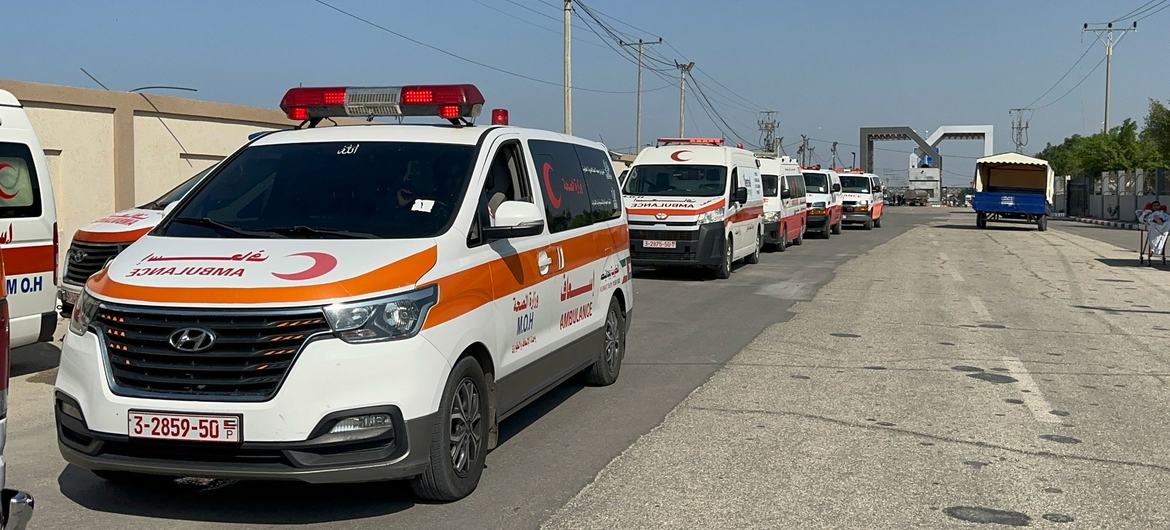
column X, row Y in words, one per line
column 322, row 264
column 4, row 193
column 677, row 156
column 546, row 172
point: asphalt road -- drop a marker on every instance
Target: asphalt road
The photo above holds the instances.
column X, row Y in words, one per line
column 952, row 377
column 685, row 328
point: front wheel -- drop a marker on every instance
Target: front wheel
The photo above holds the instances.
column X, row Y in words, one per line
column 459, row 438
column 827, row 231
column 723, row 271
column 981, row 220
column 837, row 228
column 868, row 224
column 754, row 257
column 877, row 223
column 608, row 366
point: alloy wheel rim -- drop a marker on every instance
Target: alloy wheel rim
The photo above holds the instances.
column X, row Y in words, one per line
column 613, row 345
column 465, row 427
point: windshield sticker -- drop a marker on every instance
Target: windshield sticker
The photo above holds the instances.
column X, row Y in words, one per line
column 322, row 264
column 422, row 205
column 595, row 171
column 8, row 180
column 573, row 186
column 126, row 219
column 349, row 149
column 546, row 171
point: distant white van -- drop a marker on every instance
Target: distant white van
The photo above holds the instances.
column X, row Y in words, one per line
column 28, row 227
column 824, row 201
column 695, row 202
column 785, row 207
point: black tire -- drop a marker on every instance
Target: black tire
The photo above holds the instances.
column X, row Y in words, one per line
column 723, row 271
column 800, row 237
column 451, row 477
column 783, row 244
column 827, row 231
column 877, row 223
column 837, row 228
column 1042, row 223
column 754, row 257
column 868, row 225
column 608, row 366
column 981, row 220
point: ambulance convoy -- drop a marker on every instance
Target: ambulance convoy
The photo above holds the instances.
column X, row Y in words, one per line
column 439, row 280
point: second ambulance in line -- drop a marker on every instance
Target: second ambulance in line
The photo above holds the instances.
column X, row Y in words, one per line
column 353, row 303
column 695, row 202
column 785, row 208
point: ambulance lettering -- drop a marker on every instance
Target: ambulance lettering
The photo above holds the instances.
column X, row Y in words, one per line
column 125, row 219
column 525, row 310
column 7, row 237
column 573, row 316
column 24, row 285
column 611, row 277
column 568, row 291
column 229, row 272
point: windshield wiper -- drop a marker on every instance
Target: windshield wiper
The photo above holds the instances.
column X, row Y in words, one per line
column 302, row 230
column 208, row 222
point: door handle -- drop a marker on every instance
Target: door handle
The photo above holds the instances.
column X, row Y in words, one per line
column 543, row 262
column 560, row 258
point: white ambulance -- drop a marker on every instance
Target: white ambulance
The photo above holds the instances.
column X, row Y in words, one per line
column 785, row 208
column 28, row 227
column 862, row 199
column 353, row 303
column 823, row 187
column 695, row 202
column 99, row 241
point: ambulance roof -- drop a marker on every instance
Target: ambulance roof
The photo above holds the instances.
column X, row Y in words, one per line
column 778, row 166
column 710, row 155
column 423, row 133
column 6, row 98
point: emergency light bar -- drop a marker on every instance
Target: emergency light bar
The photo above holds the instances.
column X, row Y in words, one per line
column 690, row 141
column 450, row 102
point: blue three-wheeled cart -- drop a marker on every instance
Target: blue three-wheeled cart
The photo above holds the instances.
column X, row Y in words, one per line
column 1012, row 186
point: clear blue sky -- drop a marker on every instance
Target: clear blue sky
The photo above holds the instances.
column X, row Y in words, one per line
column 827, row 67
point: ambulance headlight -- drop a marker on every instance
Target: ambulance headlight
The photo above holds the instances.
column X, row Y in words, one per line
column 395, row 317
column 83, row 312
column 713, row 216
column 771, row 217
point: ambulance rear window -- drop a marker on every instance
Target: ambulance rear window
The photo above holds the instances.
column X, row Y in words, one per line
column 20, row 193
column 329, row 190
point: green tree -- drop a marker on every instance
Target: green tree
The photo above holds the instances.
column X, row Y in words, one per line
column 1157, row 132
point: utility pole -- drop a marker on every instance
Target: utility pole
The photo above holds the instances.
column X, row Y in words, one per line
column 638, row 106
column 802, row 151
column 1020, row 127
column 836, row 158
column 1106, row 36
column 780, row 146
column 854, row 164
column 683, row 71
column 568, row 66
column 767, row 123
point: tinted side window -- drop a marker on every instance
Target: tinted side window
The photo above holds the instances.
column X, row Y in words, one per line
column 566, row 197
column 771, row 185
column 734, row 185
column 20, row 192
column 796, row 184
column 604, row 197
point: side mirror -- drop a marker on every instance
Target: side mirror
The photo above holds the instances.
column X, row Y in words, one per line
column 515, row 219
column 786, row 194
column 741, row 195
column 836, row 188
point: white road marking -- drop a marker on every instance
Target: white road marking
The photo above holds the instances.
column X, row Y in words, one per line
column 979, row 308
column 946, row 264
column 1033, row 399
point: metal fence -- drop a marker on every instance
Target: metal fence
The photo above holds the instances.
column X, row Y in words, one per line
column 1116, row 195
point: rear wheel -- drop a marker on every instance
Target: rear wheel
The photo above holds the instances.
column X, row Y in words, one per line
column 459, row 437
column 868, row 224
column 837, row 227
column 783, row 244
column 754, row 257
column 608, row 366
column 981, row 220
column 799, row 237
column 877, row 223
column 723, row 271
column 1042, row 223
column 827, row 231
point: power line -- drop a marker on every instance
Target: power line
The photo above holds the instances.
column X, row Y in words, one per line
column 1139, row 11
column 533, row 24
column 1074, row 87
column 465, row 59
column 1152, row 13
column 1066, row 72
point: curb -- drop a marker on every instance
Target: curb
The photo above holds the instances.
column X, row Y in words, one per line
column 1102, row 222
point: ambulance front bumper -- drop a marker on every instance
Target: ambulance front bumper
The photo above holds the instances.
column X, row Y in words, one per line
column 702, row 247
column 283, row 438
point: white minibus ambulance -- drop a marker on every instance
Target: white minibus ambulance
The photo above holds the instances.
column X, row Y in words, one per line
column 695, row 202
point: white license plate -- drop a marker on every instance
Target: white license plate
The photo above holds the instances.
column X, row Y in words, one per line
column 69, row 297
column 659, row 244
column 187, row 427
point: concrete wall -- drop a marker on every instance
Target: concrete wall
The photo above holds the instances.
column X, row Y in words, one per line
column 112, row 150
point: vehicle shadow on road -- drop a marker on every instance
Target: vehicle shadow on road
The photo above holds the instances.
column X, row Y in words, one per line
column 34, row 358
column 244, row 502
column 1132, row 263
column 1030, row 227
column 683, row 274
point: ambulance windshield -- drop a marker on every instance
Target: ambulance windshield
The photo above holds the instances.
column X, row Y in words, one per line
column 676, row 180
column 855, row 184
column 816, row 183
column 329, row 190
